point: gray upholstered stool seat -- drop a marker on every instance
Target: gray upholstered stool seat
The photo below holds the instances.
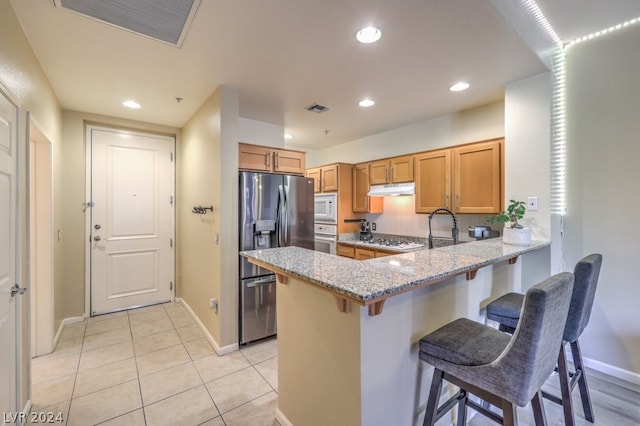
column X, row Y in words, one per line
column 506, row 371
column 506, row 311
column 465, row 342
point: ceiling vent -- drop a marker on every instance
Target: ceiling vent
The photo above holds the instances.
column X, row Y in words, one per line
column 317, row 108
column 166, row 21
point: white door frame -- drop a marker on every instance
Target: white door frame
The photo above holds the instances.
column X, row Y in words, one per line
column 40, row 237
column 87, row 209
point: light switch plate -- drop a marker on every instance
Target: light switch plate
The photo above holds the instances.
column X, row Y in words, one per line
column 532, row 204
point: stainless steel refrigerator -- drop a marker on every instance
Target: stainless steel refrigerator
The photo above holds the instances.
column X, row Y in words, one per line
column 275, row 211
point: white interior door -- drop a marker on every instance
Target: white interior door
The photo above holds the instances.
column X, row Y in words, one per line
column 132, row 219
column 8, row 261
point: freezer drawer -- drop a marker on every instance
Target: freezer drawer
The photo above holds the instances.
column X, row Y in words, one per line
column 257, row 308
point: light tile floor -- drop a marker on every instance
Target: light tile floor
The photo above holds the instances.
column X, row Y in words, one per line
column 153, row 366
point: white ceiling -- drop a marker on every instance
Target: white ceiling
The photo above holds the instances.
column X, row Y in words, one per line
column 283, row 55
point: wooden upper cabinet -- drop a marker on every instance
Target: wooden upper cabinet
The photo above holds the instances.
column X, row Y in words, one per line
column 391, row 170
column 325, row 179
column 362, row 203
column 268, row 159
column 315, row 175
column 477, row 178
column 254, row 157
column 330, row 178
column 287, row 161
column 433, row 180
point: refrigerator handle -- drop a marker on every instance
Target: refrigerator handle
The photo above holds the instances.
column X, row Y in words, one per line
column 280, row 217
column 287, row 239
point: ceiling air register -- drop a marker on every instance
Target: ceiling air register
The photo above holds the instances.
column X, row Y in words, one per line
column 166, row 21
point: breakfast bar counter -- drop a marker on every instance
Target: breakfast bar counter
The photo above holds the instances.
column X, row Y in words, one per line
column 343, row 359
column 371, row 282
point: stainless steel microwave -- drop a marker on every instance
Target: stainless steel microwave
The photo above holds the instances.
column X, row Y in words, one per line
column 326, row 208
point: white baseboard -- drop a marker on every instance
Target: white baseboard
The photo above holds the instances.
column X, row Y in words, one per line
column 66, row 321
column 220, row 350
column 282, row 419
column 611, row 370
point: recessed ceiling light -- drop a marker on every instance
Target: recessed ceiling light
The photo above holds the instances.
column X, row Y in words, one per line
column 366, row 103
column 131, row 104
column 288, row 136
column 459, row 86
column 369, row 35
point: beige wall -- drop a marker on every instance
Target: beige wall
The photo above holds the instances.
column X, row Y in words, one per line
column 207, row 244
column 602, row 179
column 73, row 177
column 22, row 77
column 484, row 122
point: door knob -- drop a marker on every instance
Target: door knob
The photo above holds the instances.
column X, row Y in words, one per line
column 97, row 238
column 97, row 226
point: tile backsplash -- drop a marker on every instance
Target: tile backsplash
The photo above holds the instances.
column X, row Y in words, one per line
column 399, row 218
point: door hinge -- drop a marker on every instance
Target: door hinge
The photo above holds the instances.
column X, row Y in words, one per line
column 171, row 242
column 171, row 285
column 90, row 204
column 172, row 157
column 171, row 199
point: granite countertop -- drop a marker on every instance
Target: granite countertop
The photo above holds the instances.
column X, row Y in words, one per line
column 375, row 279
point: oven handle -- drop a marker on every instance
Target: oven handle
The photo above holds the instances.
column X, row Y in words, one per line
column 329, row 239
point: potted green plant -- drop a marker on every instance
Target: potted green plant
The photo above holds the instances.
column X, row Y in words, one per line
column 513, row 233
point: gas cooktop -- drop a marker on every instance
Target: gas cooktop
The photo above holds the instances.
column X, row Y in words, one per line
column 398, row 245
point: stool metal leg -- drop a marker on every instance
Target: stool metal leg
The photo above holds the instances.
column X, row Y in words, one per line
column 582, row 382
column 565, row 387
column 434, row 397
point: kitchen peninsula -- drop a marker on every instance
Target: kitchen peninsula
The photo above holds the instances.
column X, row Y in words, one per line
column 341, row 364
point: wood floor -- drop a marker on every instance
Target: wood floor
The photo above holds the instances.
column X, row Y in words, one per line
column 615, row 403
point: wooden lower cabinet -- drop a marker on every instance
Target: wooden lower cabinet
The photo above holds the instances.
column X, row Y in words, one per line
column 382, row 253
column 363, row 254
column 360, row 253
column 346, row 251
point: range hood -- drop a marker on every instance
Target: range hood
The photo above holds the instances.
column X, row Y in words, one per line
column 392, row 190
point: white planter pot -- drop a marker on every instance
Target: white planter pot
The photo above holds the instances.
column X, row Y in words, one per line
column 516, row 236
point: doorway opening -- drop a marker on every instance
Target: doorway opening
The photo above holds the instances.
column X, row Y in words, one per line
column 40, row 240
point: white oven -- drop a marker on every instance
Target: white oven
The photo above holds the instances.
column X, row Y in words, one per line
column 326, row 238
column 326, row 208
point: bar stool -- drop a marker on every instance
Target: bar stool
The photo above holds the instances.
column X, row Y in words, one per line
column 506, row 311
column 506, row 371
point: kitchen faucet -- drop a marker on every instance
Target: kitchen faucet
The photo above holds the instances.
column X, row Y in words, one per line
column 454, row 230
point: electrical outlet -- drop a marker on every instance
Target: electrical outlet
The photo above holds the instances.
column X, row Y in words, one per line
column 373, row 226
column 213, row 304
column 532, row 204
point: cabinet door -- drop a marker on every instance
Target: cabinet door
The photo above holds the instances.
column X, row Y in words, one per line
column 330, row 178
column 363, row 254
column 433, row 180
column 378, row 172
column 362, row 203
column 477, row 178
column 315, row 175
column 380, row 253
column 252, row 157
column 401, row 169
column 288, row 162
column 346, row 251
